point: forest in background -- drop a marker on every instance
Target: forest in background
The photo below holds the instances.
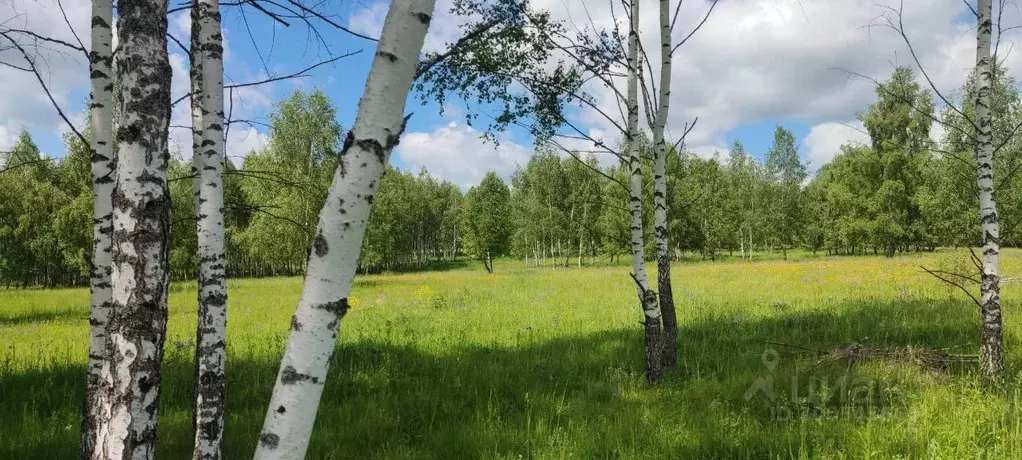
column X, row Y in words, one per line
column 901, row 192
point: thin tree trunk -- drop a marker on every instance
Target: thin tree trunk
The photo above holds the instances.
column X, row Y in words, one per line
column 103, row 165
column 741, row 239
column 670, row 319
column 342, row 223
column 992, row 347
column 141, row 234
column 647, row 297
column 210, row 358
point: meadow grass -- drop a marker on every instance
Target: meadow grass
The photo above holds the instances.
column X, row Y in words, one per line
column 547, row 363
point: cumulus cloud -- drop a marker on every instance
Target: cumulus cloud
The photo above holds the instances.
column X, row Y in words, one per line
column 8, row 136
column 22, row 101
column 444, row 27
column 457, row 153
column 65, row 71
column 824, row 141
column 757, row 60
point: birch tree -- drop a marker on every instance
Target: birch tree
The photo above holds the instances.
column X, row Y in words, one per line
column 992, row 340
column 140, row 239
column 666, row 296
column 647, row 298
column 979, row 131
column 333, row 255
column 102, row 176
column 208, row 159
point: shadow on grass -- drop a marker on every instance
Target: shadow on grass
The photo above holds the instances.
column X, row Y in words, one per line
column 433, row 266
column 23, row 318
column 581, row 397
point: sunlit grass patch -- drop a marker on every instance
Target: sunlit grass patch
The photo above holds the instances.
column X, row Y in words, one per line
column 547, row 363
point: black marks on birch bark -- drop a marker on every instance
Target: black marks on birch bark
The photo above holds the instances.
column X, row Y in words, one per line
column 269, row 440
column 338, row 307
column 319, row 245
column 291, row 376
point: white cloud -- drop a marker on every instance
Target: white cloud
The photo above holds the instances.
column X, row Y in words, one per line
column 708, row 151
column 242, row 140
column 824, row 141
column 8, row 136
column 444, row 27
column 937, row 132
column 22, row 101
column 759, row 60
column 457, row 153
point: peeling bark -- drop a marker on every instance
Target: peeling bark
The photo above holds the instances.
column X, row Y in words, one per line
column 208, row 160
column 992, row 340
column 342, row 224
column 141, row 225
column 647, row 298
column 103, row 164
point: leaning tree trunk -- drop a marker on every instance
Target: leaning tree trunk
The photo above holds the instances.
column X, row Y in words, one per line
column 208, row 159
column 663, row 244
column 103, row 164
column 141, row 233
column 647, row 297
column 992, row 348
column 334, row 253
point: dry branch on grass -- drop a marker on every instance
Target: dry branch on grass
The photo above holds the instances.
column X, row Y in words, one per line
column 933, row 359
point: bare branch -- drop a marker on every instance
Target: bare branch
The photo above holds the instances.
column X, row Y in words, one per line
column 25, row 163
column 72, row 29
column 677, row 9
column 974, row 12
column 51, row 40
column 900, row 29
column 902, row 99
column 298, row 74
column 688, row 129
column 696, row 29
column 32, row 68
column 276, row 17
column 328, row 21
column 953, row 283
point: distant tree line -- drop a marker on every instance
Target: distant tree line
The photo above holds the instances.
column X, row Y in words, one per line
column 901, row 192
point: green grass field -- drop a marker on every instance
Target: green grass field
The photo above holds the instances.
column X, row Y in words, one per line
column 547, row 363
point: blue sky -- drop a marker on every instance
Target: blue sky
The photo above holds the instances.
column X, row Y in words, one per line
column 756, row 64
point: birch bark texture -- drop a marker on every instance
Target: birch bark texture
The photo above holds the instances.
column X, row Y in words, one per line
column 333, row 256
column 992, row 340
column 663, row 244
column 102, row 175
column 141, row 224
column 211, row 333
column 647, row 298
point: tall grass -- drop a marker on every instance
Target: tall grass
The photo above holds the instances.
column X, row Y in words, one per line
column 547, row 363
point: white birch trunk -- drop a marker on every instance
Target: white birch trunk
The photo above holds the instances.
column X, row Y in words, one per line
column 208, row 158
column 647, row 297
column 741, row 241
column 342, row 223
column 141, row 225
column 992, row 347
column 670, row 319
column 103, row 164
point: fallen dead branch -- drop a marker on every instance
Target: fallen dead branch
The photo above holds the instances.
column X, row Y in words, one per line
column 935, row 359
